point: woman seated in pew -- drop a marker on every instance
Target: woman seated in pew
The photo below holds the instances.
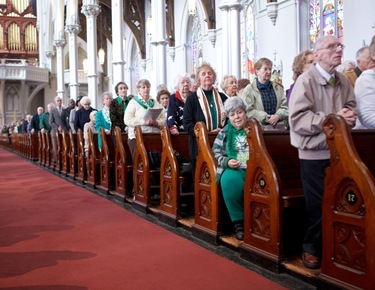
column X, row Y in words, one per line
column 103, row 119
column 135, row 114
column 364, row 91
column 89, row 125
column 177, row 103
column 231, row 151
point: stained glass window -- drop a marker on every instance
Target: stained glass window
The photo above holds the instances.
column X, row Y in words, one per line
column 248, row 44
column 325, row 18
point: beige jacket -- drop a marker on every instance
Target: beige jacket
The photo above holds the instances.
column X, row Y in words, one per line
column 311, row 101
column 254, row 105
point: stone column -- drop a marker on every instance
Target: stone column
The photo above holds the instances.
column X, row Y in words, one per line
column 2, row 103
column 225, row 45
column 159, row 41
column 91, row 10
column 73, row 28
column 235, row 8
column 59, row 43
column 117, row 41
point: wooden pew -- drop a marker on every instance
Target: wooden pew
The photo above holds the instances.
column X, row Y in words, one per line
column 81, row 158
column 65, row 154
column 58, row 166
column 73, row 156
column 171, row 181
column 40, row 150
column 34, row 147
column 107, row 163
column 274, row 202
column 123, row 166
column 144, row 177
column 93, row 161
column 49, row 150
column 44, row 149
column 207, row 198
column 348, row 259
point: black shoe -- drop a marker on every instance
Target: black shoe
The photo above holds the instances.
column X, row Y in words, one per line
column 239, row 231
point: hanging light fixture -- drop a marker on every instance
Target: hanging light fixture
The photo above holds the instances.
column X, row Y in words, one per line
column 84, row 64
column 101, row 56
column 101, row 51
column 149, row 27
column 192, row 7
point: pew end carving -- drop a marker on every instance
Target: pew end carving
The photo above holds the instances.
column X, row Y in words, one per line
column 144, row 177
column 207, row 201
column 348, row 259
column 172, row 182
column 107, row 163
column 272, row 197
column 93, row 160
column 81, row 158
column 123, row 166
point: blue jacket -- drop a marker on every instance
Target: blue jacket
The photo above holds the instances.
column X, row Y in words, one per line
column 100, row 122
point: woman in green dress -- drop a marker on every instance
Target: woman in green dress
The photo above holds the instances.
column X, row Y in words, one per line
column 231, row 151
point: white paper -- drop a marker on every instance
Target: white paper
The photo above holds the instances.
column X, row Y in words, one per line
column 153, row 113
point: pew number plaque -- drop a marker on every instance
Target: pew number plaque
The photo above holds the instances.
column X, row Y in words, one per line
column 351, row 197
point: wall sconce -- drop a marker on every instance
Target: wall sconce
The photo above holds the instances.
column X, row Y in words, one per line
column 149, row 26
column 272, row 10
column 101, row 56
column 192, row 7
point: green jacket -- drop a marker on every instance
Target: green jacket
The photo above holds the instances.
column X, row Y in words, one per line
column 44, row 122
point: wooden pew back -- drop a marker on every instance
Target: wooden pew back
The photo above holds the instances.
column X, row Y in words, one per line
column 93, row 160
column 73, row 156
column 143, row 175
column 107, row 163
column 58, row 152
column 272, row 185
column 65, row 159
column 81, row 158
column 348, row 209
column 206, row 191
column 123, row 166
column 171, row 180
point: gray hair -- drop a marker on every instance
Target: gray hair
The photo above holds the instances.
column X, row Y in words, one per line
column 143, row 82
column 360, row 52
column 179, row 78
column 224, row 81
column 234, row 103
column 109, row 94
column 85, row 99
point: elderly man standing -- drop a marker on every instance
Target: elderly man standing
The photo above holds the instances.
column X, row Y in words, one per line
column 35, row 121
column 318, row 92
column 55, row 122
column 363, row 59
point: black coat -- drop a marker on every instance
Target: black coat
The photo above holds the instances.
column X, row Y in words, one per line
column 192, row 114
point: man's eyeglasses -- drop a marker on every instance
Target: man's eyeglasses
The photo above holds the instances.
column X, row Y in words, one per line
column 334, row 46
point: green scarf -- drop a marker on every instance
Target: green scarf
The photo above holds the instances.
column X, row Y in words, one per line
column 232, row 138
column 143, row 103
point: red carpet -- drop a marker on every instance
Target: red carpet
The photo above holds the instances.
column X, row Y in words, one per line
column 55, row 235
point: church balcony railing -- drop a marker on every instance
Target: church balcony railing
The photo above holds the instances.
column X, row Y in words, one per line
column 22, row 69
column 82, row 77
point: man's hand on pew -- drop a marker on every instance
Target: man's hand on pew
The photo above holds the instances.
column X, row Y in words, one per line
column 349, row 116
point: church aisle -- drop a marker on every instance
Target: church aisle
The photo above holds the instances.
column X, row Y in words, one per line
column 55, row 235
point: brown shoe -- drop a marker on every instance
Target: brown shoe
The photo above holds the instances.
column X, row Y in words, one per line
column 310, row 261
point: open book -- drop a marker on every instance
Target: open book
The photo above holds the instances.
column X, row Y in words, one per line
column 153, row 113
